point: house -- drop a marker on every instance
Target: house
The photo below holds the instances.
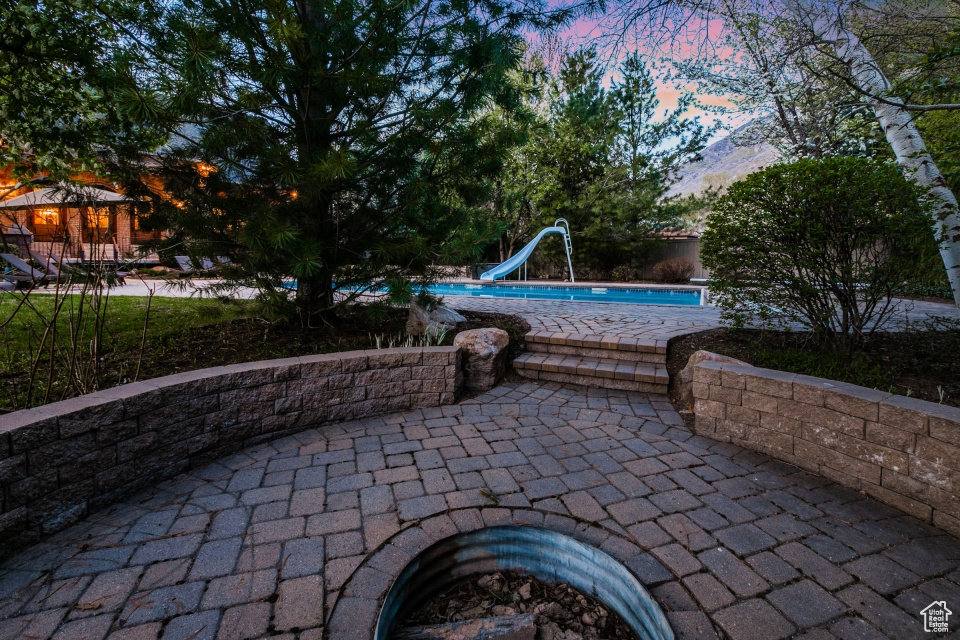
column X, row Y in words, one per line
column 936, row 617
column 82, row 232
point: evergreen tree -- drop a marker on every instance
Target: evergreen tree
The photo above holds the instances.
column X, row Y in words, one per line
column 344, row 139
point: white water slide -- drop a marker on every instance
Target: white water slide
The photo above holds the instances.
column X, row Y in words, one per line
column 520, row 258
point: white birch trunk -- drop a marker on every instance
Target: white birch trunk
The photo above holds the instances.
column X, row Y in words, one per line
column 897, row 124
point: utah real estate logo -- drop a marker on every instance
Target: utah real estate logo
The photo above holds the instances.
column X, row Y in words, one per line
column 935, row 617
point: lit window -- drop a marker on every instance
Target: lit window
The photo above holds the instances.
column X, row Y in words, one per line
column 48, row 217
column 99, row 219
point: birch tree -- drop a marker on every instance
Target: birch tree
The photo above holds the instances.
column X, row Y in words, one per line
column 897, row 123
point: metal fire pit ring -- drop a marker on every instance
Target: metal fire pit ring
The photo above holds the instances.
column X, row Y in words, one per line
column 541, row 553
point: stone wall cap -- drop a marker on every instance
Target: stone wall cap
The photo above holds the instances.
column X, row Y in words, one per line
column 943, row 411
column 13, row 421
column 913, row 404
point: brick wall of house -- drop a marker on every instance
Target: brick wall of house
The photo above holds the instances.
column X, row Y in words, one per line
column 62, row 461
column 899, row 450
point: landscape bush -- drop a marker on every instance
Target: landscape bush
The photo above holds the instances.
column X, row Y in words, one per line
column 673, row 271
column 820, row 242
column 624, row 273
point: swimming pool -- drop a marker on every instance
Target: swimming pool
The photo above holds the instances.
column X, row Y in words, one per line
column 685, row 297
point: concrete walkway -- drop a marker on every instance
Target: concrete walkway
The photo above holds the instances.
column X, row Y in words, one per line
column 302, row 536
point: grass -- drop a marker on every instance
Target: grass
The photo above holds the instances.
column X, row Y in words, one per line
column 185, row 334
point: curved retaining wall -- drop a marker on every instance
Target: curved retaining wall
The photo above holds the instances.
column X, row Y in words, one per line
column 902, row 451
column 64, row 460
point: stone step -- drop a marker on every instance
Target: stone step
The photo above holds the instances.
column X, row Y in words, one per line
column 605, row 373
column 598, row 346
column 589, row 352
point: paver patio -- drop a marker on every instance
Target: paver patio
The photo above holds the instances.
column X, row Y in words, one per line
column 269, row 541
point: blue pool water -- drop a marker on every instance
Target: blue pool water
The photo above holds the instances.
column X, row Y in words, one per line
column 687, row 297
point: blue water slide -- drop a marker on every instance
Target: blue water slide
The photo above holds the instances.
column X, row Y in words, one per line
column 519, row 258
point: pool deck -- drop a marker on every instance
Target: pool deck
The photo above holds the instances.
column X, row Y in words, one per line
column 299, row 538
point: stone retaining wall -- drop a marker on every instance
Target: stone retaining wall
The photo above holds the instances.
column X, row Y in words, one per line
column 899, row 450
column 64, row 460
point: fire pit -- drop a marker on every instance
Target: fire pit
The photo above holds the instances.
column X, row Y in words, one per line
column 545, row 555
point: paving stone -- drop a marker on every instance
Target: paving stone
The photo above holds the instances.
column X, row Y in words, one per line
column 914, row 557
column 691, row 625
column 753, row 620
column 86, row 629
column 335, row 522
column 301, row 557
column 772, row 568
column 709, row 592
column 855, row 629
column 167, row 549
column 744, row 539
column 240, row 588
column 673, row 597
column 149, row 631
column 423, row 507
column 245, row 621
column 785, row 527
column 739, row 578
column 107, row 592
column 686, row 532
column 830, row 548
column 162, row 603
column 197, row 626
column 300, row 603
column 810, row 564
column 806, row 604
column 215, row 559
column 880, row 612
column 677, row 559
column 632, row 511
column 882, row 574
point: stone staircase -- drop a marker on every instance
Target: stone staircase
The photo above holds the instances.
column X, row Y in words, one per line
column 605, row 361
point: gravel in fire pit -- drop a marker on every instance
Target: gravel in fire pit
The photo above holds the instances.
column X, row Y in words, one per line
column 561, row 613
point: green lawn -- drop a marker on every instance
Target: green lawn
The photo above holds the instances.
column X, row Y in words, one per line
column 171, row 320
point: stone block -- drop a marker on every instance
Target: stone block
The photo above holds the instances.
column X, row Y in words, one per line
column 724, row 395
column 934, row 474
column 29, row 429
column 732, row 379
column 758, row 401
column 808, row 390
column 79, row 415
column 855, row 401
column 749, row 417
column 320, row 366
column 769, row 382
column 938, row 452
column 708, row 373
column 895, row 499
column 710, row 408
column 781, row 424
column 771, row 441
column 905, row 413
column 944, row 422
column 905, row 441
column 705, row 425
column 827, row 457
column 732, row 429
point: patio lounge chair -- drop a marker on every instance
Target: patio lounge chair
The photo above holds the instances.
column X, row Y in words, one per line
column 23, row 273
column 50, row 263
column 206, row 264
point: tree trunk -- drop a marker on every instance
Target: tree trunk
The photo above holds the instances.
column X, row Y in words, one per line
column 897, row 124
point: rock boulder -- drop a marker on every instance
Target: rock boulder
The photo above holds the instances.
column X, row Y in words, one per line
column 484, row 356
column 420, row 319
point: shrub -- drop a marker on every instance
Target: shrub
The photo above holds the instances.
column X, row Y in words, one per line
column 675, row 271
column 624, row 273
column 822, row 243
